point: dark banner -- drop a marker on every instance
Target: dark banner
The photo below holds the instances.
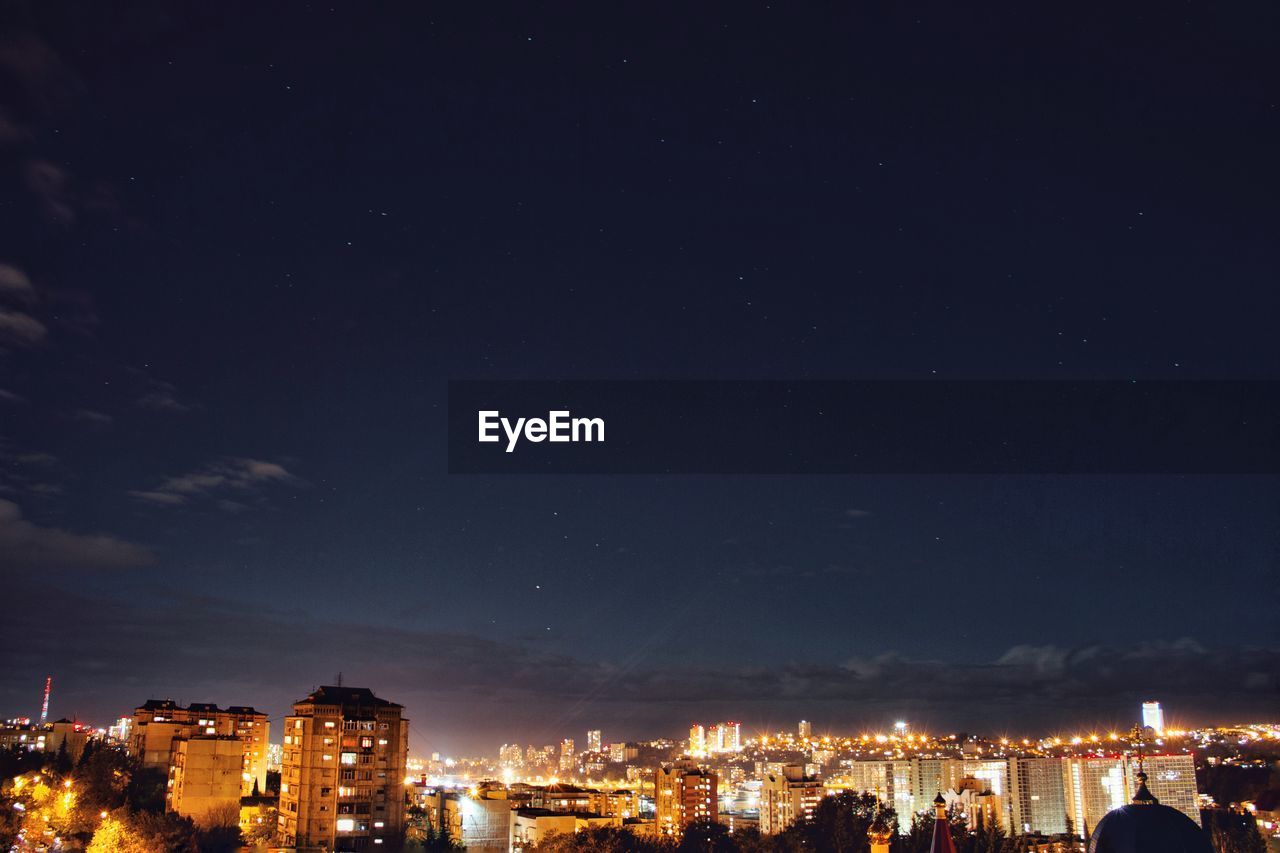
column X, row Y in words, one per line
column 863, row 427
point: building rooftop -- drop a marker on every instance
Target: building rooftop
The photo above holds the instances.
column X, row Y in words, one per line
column 359, row 696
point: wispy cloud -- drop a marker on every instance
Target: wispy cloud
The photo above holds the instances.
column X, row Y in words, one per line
column 91, row 417
column 14, row 283
column 31, row 547
column 227, row 482
column 202, row 646
column 163, row 397
column 21, row 329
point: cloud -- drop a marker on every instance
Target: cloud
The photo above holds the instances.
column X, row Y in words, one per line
column 10, row 397
column 856, row 513
column 29, row 547
column 235, row 476
column 91, row 417
column 243, row 651
column 163, row 401
column 21, row 329
column 14, row 283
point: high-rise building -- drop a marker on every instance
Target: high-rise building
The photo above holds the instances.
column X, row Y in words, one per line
column 697, row 739
column 158, row 724
column 787, row 797
column 731, row 737
column 593, row 740
column 205, row 779
column 994, row 775
column 568, row 757
column 683, row 794
column 1153, row 718
column 1171, row 779
column 342, row 777
column 804, row 730
column 510, row 755
column 1039, row 801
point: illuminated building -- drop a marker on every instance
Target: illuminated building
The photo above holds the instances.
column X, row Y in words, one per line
column 593, row 740
column 804, row 730
column 1145, row 825
column 721, row 737
column 1039, row 801
column 788, row 797
column 1153, row 716
column 530, row 826
column 1171, row 779
column 120, row 731
column 510, row 755
column 159, row 724
column 1096, row 786
column 697, row 739
column 568, row 758
column 45, row 737
column 994, row 776
column 342, row 777
column 205, row 779
column 683, row 794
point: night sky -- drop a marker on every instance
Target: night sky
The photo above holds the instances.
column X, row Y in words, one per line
column 244, row 249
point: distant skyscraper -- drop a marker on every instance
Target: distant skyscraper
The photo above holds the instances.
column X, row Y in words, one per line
column 568, row 758
column 697, row 739
column 342, row 778
column 731, row 737
column 1153, row 716
column 593, row 740
column 805, row 730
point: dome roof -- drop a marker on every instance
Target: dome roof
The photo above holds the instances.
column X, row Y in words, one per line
column 1146, row 826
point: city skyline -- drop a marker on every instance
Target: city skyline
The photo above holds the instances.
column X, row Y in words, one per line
column 244, row 253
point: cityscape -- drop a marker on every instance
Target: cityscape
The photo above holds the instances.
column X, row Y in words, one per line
column 715, row 427
column 336, row 773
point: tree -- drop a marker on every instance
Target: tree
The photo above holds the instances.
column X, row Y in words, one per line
column 1231, row 832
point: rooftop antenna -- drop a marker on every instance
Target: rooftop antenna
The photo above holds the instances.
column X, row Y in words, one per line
column 44, row 709
column 339, row 679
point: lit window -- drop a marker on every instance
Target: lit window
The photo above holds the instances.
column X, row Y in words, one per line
column 345, row 824
column 284, row 787
column 326, row 757
column 348, row 758
column 377, row 824
column 328, row 724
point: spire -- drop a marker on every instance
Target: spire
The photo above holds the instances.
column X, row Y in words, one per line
column 942, row 842
column 1142, row 796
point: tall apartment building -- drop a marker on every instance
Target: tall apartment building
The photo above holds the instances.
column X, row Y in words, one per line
column 159, row 724
column 697, row 739
column 342, row 774
column 804, row 730
column 593, row 740
column 205, row 781
column 1039, row 801
column 994, row 776
column 1094, row 786
column 1171, row 779
column 787, row 797
column 683, row 794
column 568, row 757
column 1032, row 794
